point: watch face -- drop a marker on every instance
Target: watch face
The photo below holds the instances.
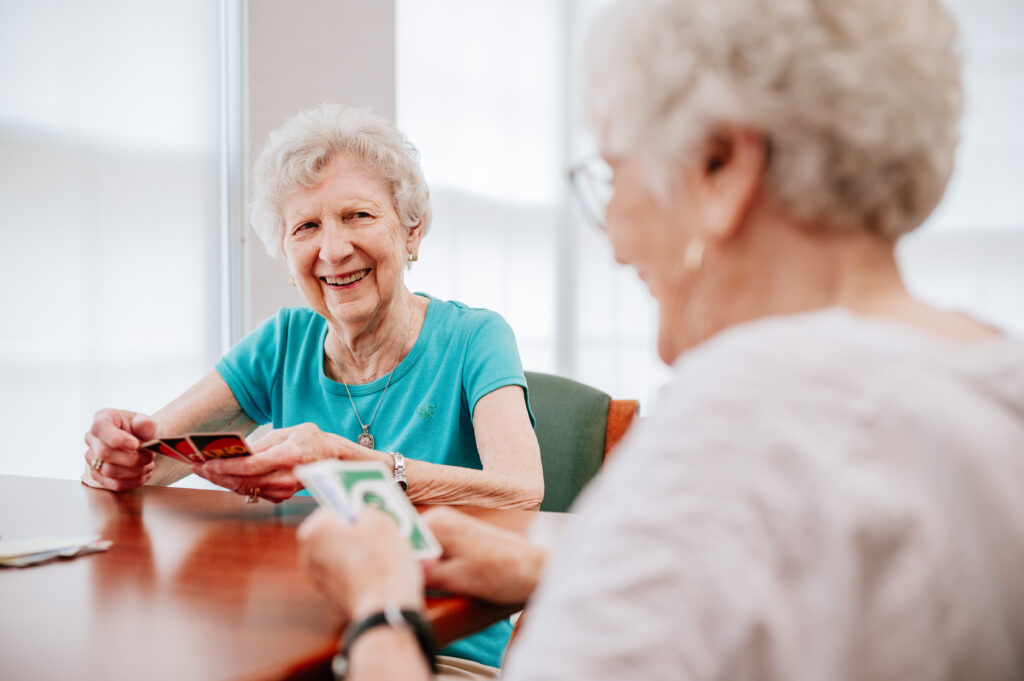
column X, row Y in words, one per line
column 400, row 470
column 339, row 665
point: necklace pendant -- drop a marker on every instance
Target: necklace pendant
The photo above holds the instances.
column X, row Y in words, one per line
column 365, row 439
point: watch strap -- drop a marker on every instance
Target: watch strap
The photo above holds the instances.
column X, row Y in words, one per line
column 392, row 616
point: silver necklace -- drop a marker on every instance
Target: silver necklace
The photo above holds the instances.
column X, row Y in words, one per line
column 365, row 439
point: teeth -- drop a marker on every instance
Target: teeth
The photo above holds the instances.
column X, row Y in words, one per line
column 341, row 281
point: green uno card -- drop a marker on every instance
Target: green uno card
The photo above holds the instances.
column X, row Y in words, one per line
column 346, row 487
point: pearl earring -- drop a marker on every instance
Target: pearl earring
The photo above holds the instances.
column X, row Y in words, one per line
column 693, row 256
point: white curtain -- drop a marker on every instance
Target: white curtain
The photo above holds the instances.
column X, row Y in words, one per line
column 109, row 210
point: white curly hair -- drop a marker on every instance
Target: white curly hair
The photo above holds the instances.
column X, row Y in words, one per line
column 859, row 100
column 297, row 153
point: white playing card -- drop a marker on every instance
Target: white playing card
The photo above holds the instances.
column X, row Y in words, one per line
column 346, row 487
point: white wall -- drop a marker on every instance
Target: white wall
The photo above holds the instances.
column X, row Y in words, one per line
column 301, row 53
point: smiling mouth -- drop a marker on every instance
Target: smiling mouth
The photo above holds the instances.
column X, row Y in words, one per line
column 346, row 280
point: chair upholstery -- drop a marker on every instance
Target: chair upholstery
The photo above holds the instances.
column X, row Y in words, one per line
column 576, row 426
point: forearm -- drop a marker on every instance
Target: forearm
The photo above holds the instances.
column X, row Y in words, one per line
column 177, row 419
column 431, row 483
column 509, row 484
column 388, row 653
column 208, row 406
column 166, row 471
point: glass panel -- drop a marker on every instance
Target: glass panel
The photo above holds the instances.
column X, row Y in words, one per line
column 109, row 210
column 970, row 254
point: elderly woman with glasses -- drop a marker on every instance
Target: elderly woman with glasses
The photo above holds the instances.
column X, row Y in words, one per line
column 831, row 486
column 434, row 390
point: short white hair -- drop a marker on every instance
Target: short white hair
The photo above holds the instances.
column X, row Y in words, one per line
column 297, row 153
column 859, row 100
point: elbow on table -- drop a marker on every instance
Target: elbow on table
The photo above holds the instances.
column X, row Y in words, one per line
column 530, row 495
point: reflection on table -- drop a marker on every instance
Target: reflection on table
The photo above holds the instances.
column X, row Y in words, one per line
column 198, row 585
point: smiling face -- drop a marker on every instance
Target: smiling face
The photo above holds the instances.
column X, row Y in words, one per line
column 345, row 245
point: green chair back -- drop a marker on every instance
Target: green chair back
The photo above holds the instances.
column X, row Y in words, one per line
column 572, row 420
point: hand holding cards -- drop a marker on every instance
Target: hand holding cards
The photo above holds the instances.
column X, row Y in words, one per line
column 199, row 447
column 345, row 487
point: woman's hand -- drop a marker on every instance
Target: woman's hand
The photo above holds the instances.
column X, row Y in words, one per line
column 480, row 559
column 274, row 456
column 113, row 460
column 361, row 567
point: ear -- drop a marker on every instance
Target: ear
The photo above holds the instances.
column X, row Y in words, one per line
column 415, row 235
column 729, row 180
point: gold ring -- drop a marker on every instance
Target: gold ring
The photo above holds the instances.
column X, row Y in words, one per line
column 254, row 496
column 97, row 464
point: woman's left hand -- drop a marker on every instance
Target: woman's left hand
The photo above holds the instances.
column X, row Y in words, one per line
column 274, row 456
column 360, row 568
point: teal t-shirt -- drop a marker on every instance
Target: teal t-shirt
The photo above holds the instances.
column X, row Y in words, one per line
column 277, row 375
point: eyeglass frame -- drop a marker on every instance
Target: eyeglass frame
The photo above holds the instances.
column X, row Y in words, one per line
column 581, row 174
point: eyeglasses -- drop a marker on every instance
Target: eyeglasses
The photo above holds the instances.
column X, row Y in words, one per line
column 591, row 183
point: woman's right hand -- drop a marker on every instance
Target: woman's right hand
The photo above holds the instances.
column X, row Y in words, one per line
column 113, row 460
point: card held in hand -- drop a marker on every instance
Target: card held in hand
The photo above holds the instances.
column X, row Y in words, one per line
column 345, row 487
column 159, row 447
column 184, row 447
column 219, row 445
column 199, row 447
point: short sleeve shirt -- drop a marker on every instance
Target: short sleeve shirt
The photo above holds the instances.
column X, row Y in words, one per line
column 426, row 410
column 277, row 375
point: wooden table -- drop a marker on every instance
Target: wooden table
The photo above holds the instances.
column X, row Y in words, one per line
column 198, row 585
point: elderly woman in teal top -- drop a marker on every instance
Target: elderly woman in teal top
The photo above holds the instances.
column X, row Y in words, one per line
column 369, row 370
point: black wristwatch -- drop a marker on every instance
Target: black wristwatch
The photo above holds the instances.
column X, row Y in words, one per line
column 392, row 616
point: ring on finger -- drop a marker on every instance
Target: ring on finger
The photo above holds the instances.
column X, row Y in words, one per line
column 97, row 464
column 254, row 496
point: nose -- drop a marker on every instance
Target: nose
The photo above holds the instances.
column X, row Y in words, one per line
column 335, row 245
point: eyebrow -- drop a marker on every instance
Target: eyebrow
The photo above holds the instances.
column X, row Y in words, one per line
column 346, row 205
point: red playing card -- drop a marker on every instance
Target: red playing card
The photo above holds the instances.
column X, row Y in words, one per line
column 185, row 449
column 159, row 447
column 219, row 445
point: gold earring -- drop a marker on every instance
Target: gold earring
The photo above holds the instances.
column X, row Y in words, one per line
column 414, row 255
column 693, row 256
column 291, row 279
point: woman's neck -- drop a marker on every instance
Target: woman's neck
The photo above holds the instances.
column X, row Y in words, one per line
column 364, row 354
column 775, row 267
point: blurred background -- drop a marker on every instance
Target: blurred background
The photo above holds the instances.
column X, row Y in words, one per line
column 126, row 130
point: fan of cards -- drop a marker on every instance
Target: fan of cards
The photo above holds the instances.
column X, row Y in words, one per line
column 345, row 487
column 199, row 447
